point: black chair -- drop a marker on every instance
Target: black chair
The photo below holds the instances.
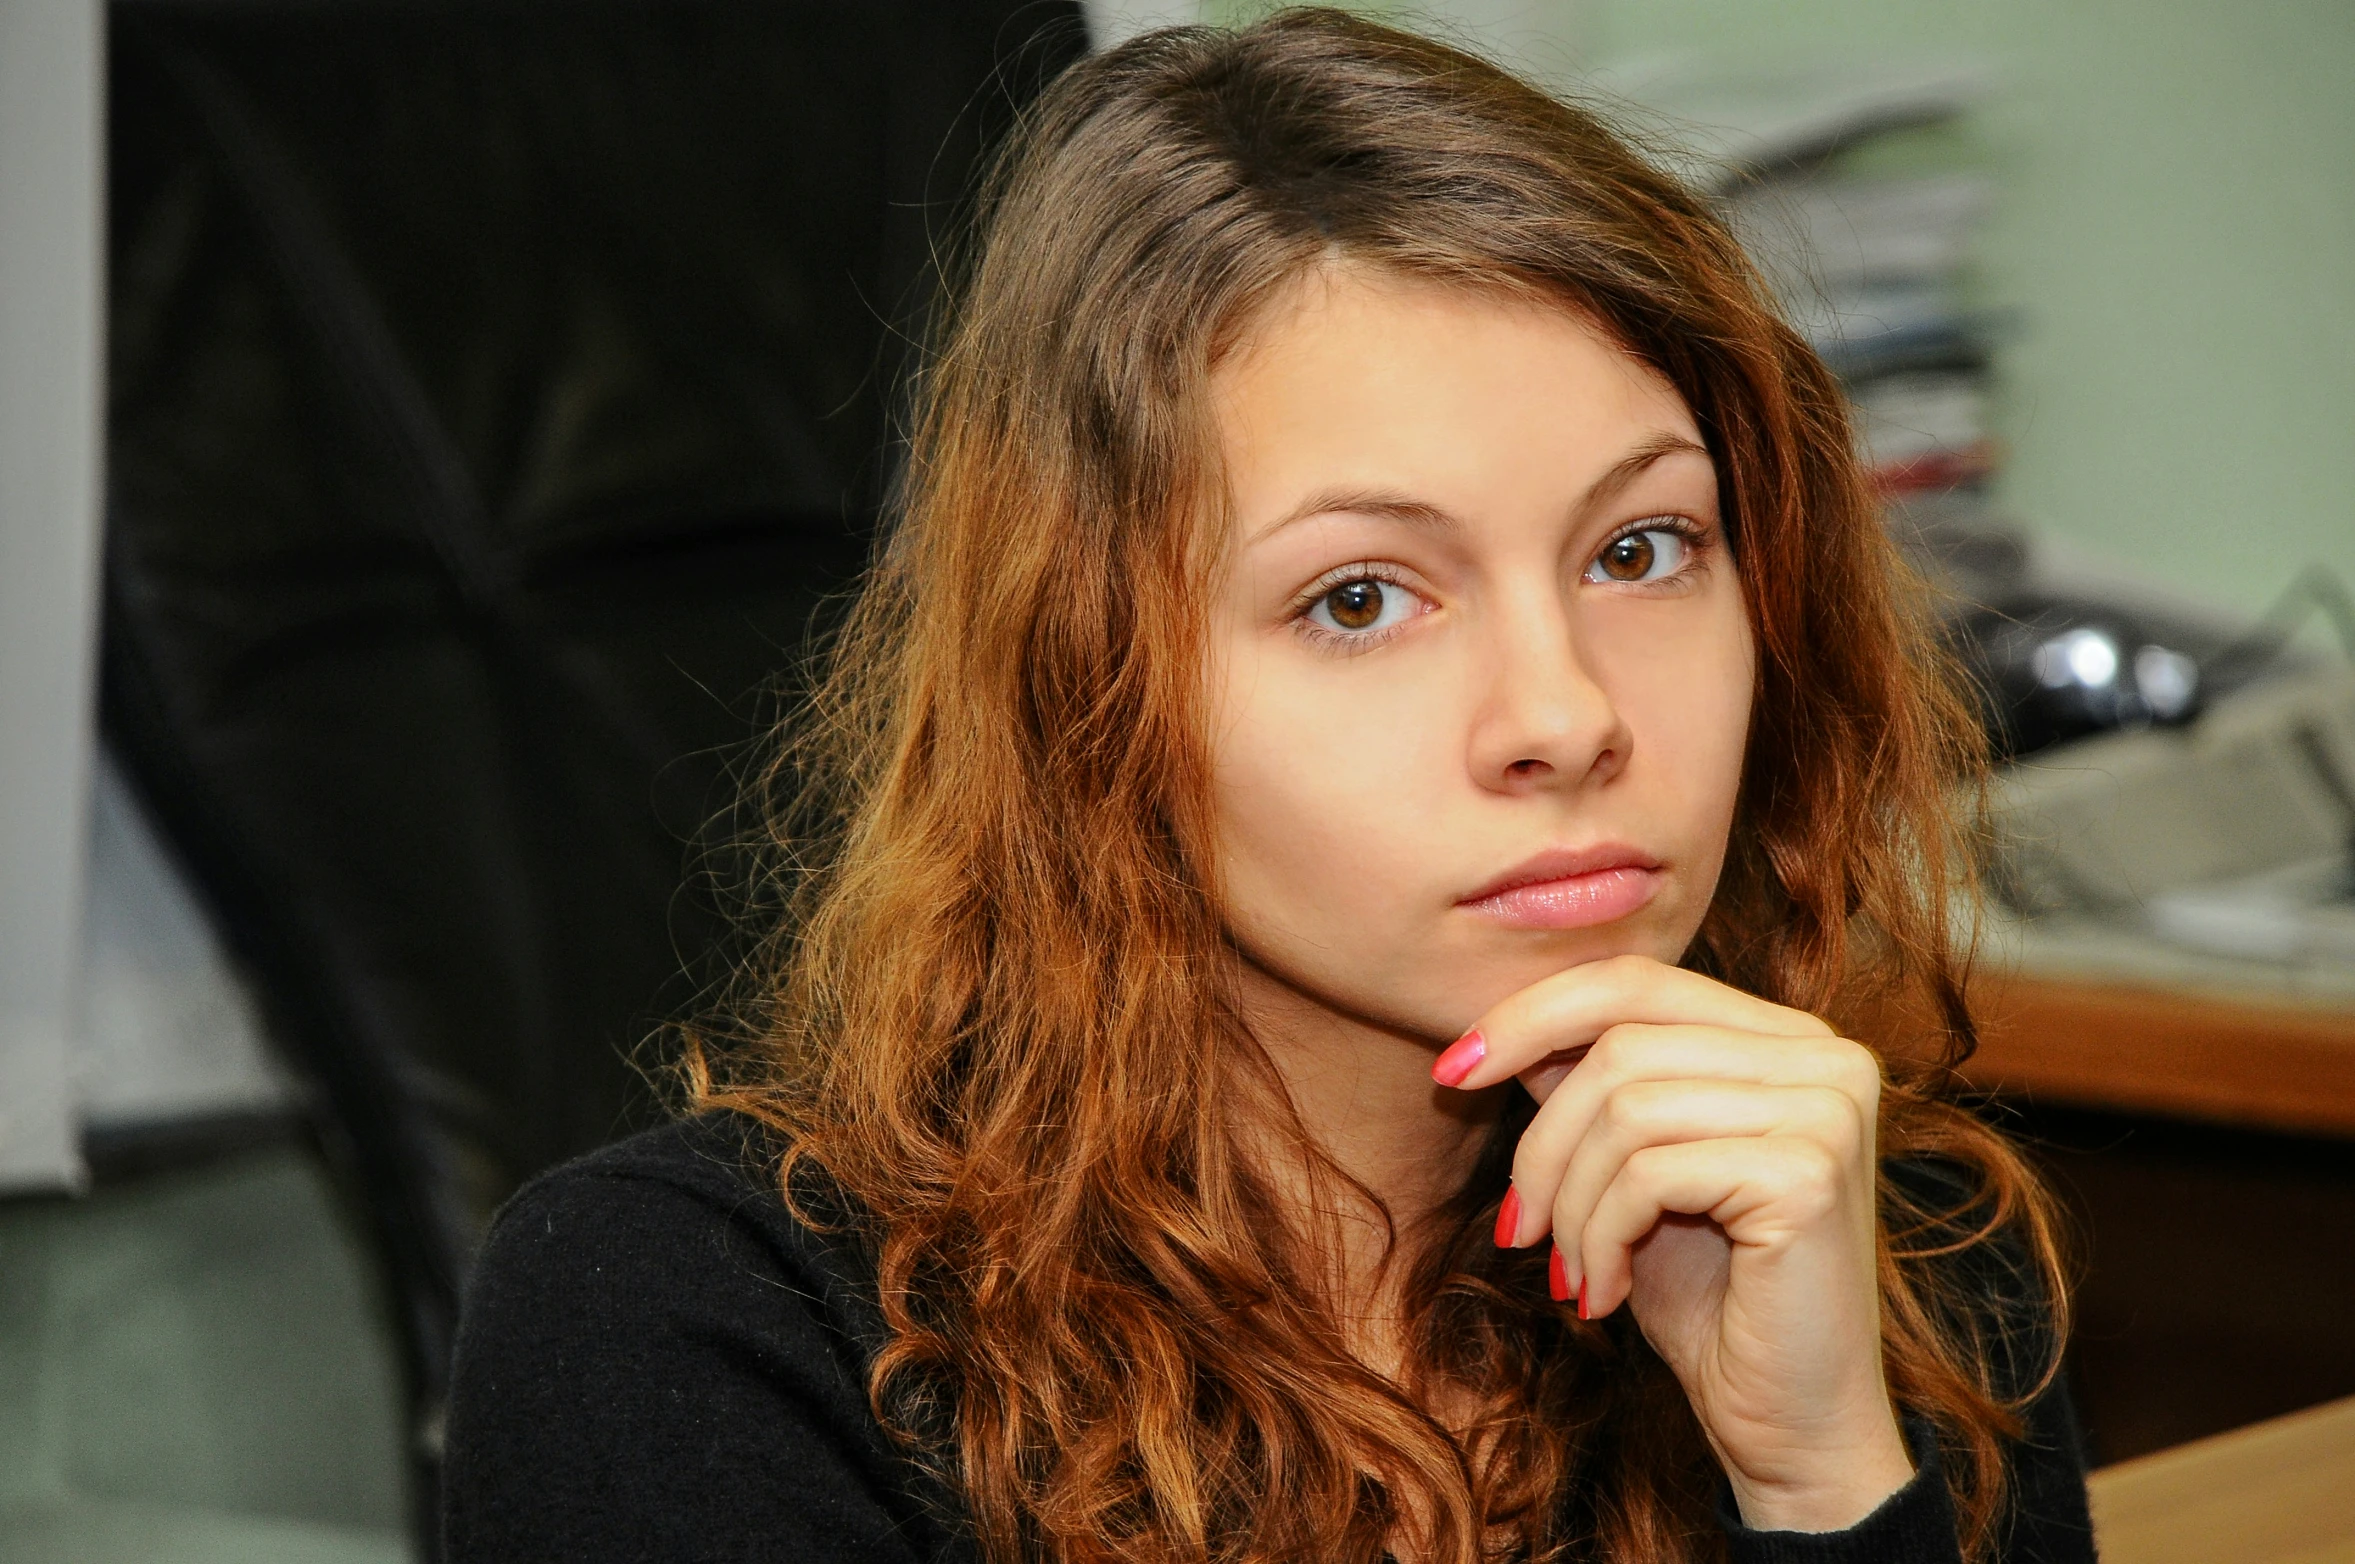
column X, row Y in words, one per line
column 498, row 390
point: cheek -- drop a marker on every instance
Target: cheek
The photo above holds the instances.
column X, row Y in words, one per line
column 1686, row 699
column 1314, row 795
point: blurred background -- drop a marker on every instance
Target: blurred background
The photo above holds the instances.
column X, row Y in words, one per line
column 431, row 434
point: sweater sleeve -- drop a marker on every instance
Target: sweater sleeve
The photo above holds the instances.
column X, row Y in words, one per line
column 642, row 1374
column 1914, row 1525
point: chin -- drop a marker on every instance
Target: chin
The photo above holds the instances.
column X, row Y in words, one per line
column 1537, row 953
column 1512, row 959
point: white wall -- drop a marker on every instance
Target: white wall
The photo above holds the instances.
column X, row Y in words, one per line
column 1114, row 21
column 50, row 276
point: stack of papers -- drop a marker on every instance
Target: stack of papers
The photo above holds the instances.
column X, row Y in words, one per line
column 1868, row 266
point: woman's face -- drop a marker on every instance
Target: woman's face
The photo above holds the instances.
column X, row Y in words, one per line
column 1482, row 668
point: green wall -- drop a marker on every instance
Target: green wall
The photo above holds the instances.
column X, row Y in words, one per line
column 2176, row 232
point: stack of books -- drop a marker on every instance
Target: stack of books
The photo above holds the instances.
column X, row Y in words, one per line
column 1868, row 269
column 1870, row 263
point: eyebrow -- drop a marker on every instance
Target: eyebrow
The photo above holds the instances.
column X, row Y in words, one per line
column 1389, row 505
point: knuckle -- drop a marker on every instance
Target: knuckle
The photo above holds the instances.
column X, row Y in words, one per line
column 1627, row 1039
column 1849, row 1068
column 1817, row 1162
column 1624, row 1111
column 1627, row 968
column 1644, row 1169
column 1535, row 1160
column 1626, row 976
column 1836, row 1115
column 1859, row 1066
column 1812, row 1175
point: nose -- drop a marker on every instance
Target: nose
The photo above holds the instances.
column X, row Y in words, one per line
column 1542, row 721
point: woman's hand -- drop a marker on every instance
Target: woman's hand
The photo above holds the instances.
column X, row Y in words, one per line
column 1710, row 1162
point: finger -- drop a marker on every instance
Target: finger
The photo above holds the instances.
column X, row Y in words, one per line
column 1654, row 1114
column 1759, row 1191
column 1631, row 1054
column 1569, row 1011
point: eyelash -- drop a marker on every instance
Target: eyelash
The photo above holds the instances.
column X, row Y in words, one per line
column 1697, row 543
column 1316, row 591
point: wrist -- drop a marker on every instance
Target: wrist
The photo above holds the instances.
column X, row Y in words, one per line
column 1831, row 1488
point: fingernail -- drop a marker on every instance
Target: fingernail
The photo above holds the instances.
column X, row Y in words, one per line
column 1508, row 1218
column 1463, row 1056
column 1557, row 1278
column 1582, row 1297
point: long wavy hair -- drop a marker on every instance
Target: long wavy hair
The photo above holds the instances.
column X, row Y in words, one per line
column 1000, row 1017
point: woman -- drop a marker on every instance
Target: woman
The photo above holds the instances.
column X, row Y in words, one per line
column 1385, row 740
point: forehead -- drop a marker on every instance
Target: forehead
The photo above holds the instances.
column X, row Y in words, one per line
column 1471, row 399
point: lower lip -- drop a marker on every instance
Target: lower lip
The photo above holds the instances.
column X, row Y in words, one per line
column 1578, row 901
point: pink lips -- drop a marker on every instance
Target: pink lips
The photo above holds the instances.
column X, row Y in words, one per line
column 1569, row 888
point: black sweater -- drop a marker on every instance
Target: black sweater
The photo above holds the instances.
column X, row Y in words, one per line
column 657, row 1362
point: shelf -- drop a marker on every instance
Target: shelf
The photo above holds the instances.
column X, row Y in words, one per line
column 2180, row 1052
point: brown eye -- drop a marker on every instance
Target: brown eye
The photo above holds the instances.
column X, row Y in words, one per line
column 1355, row 605
column 1647, row 554
column 1363, row 608
column 1630, row 558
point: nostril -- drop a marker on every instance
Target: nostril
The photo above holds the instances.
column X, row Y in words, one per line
column 1527, row 768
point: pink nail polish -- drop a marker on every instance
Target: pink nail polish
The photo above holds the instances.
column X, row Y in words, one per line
column 1557, row 1278
column 1508, row 1218
column 1463, row 1056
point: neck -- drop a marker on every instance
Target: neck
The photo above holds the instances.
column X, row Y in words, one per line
column 1364, row 1094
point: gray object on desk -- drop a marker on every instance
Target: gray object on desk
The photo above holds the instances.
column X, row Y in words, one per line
column 2229, row 836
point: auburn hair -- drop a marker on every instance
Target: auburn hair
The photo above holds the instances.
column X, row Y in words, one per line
column 999, row 1017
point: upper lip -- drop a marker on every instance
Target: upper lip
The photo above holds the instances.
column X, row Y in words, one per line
column 1561, row 863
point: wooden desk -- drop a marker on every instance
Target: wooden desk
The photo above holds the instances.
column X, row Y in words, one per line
column 2279, row 1492
column 2180, row 1052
